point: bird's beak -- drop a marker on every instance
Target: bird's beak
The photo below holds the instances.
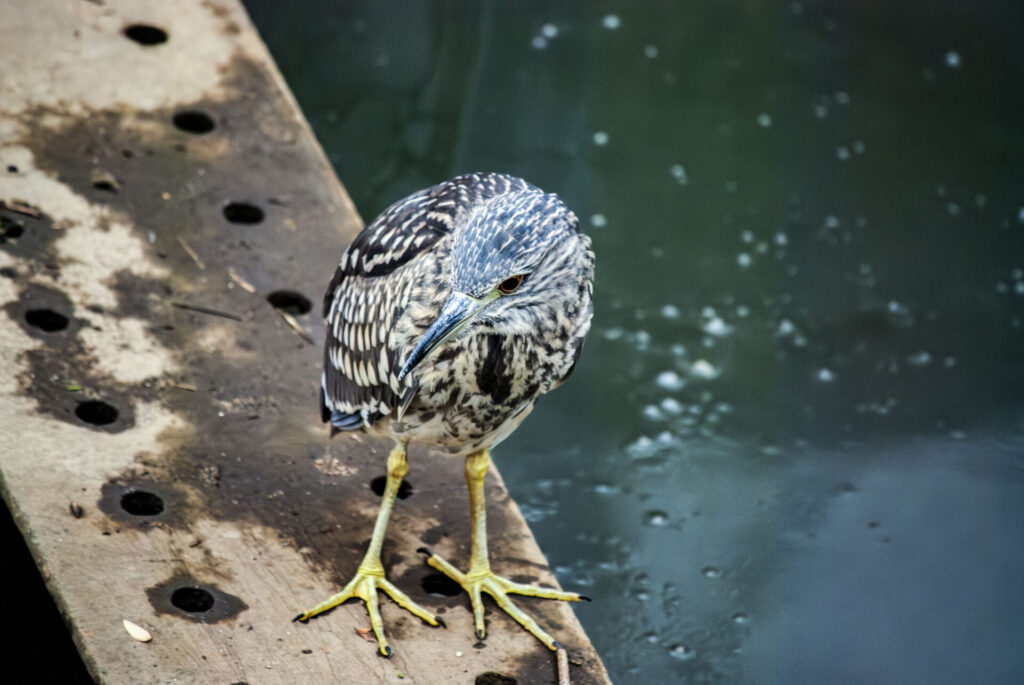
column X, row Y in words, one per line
column 455, row 314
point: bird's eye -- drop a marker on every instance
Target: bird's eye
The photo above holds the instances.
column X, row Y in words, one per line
column 509, row 285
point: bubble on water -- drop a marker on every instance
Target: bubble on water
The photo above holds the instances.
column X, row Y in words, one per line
column 785, row 328
column 953, row 59
column 652, row 413
column 743, row 260
column 670, row 311
column 1018, row 288
column 642, row 340
column 764, row 120
column 842, row 97
column 842, row 153
column 611, row 22
column 607, row 489
column 670, row 380
column 650, row 637
column 671, row 405
column 717, row 327
column 858, row 147
column 1001, row 288
column 820, row 111
column 958, row 435
column 831, row 222
column 598, row 220
column 949, row 362
column 742, row 311
column 656, row 518
column 1017, row 274
column 1020, row 215
column 761, row 248
column 740, row 618
column 642, row 448
column 679, row 174
column 747, row 236
column 781, row 239
column 825, row 376
column 678, row 350
column 952, row 208
column 539, row 42
column 711, row 572
column 703, row 369
column 549, row 31
column 666, row 439
column 796, row 8
column 650, row 51
column 600, row 138
column 921, row 358
column 681, row 652
column 732, row 186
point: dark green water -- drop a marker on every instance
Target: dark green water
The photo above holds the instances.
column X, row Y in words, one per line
column 794, row 449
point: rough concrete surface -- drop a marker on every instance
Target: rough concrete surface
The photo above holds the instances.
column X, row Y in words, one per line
column 160, row 441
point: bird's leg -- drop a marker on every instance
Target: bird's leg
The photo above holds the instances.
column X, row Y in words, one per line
column 480, row 578
column 370, row 575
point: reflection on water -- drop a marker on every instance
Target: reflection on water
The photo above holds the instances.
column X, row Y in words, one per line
column 793, row 449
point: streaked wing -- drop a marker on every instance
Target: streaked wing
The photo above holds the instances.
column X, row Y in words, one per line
column 372, row 287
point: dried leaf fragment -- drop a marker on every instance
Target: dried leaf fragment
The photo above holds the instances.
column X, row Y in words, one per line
column 136, row 631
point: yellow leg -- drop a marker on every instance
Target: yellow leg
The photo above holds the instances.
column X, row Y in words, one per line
column 370, row 575
column 480, row 578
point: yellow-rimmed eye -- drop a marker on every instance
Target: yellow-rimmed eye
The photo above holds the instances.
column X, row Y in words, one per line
column 510, row 284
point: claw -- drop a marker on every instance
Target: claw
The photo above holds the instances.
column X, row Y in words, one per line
column 479, row 581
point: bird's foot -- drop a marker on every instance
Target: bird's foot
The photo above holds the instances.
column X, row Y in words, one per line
column 483, row 580
column 364, row 586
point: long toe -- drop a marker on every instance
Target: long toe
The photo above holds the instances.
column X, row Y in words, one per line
column 364, row 586
column 478, row 583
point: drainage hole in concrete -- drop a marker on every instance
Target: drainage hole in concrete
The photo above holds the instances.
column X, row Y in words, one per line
column 492, row 678
column 194, row 600
column 144, row 34
column 10, row 228
column 440, row 585
column 46, row 320
column 290, row 301
column 378, row 484
column 11, row 169
column 243, row 213
column 142, row 503
column 193, row 121
column 96, row 412
column 106, row 183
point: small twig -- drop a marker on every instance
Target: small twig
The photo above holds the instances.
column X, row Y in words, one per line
column 242, row 283
column 192, row 253
column 296, row 326
column 206, row 310
column 185, row 386
column 22, row 208
column 563, row 666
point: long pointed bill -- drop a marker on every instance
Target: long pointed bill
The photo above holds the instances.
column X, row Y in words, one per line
column 455, row 314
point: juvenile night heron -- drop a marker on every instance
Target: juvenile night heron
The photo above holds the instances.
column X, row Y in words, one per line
column 447, row 318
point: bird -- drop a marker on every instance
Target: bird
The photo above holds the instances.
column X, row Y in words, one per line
column 447, row 317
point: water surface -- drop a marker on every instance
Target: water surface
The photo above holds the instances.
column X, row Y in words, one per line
column 793, row 449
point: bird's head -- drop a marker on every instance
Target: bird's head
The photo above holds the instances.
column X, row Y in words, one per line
column 518, row 263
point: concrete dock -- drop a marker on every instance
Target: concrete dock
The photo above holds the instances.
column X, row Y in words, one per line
column 167, row 226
